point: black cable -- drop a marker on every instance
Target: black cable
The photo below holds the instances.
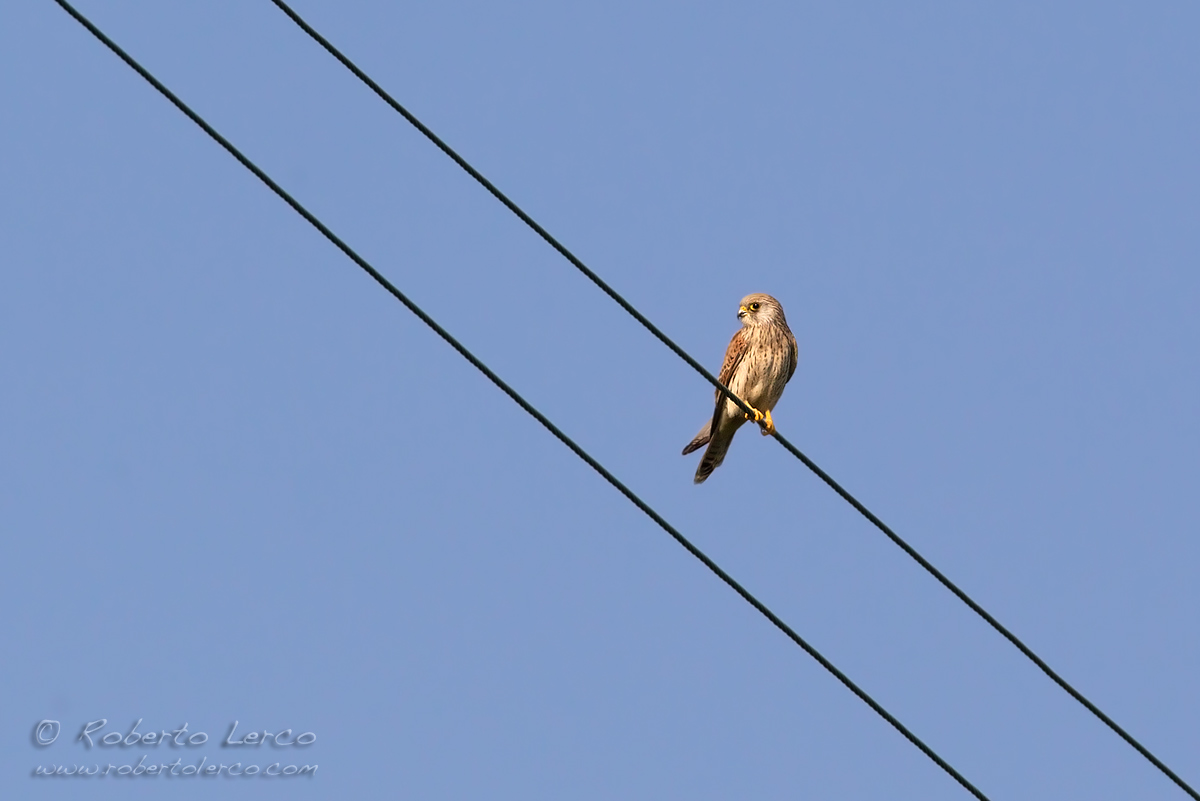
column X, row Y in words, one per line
column 653, row 329
column 524, row 404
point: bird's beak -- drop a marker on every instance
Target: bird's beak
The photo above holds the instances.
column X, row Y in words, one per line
column 742, row 312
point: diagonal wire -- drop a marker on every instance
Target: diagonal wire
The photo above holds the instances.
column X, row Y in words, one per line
column 695, row 365
column 524, row 404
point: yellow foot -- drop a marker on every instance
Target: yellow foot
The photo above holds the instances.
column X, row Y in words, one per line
column 768, row 426
column 756, row 416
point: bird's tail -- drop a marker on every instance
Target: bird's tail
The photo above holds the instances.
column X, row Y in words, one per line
column 717, row 447
column 700, row 440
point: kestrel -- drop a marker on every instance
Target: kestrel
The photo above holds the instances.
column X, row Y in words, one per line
column 759, row 361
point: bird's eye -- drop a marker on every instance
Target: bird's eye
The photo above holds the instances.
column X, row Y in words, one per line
column 754, row 306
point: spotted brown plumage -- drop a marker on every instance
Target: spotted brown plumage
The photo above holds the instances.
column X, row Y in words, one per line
column 759, row 362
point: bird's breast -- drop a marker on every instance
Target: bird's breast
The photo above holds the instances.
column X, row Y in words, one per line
column 763, row 372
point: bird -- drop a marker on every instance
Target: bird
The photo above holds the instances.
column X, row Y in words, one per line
column 760, row 360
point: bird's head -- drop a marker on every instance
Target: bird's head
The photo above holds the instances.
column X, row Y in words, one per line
column 760, row 309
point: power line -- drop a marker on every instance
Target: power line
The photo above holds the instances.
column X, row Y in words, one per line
column 695, row 365
column 524, row 404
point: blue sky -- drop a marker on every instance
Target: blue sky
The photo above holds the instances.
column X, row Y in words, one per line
column 242, row 483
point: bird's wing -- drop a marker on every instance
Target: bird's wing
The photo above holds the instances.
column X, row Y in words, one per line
column 793, row 356
column 738, row 347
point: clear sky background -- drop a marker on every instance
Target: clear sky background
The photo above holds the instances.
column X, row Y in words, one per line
column 240, row 482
